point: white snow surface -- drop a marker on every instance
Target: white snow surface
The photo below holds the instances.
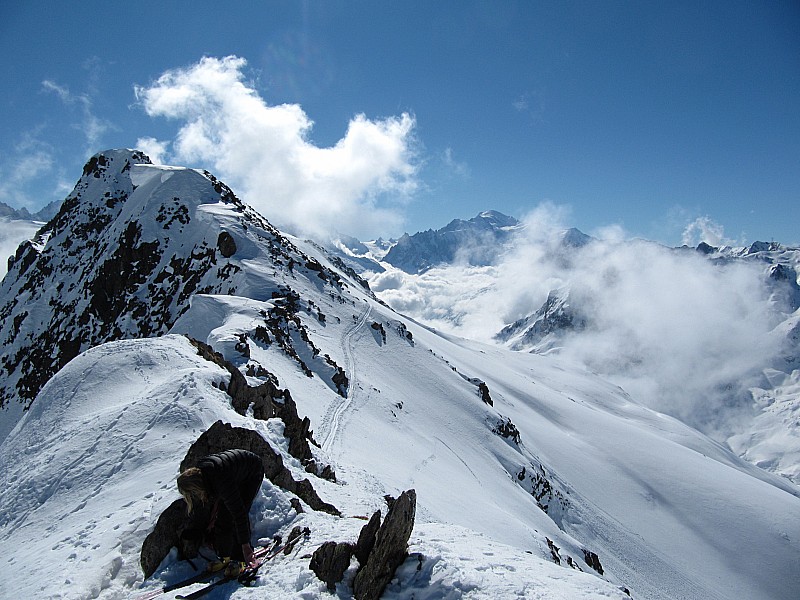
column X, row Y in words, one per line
column 671, row 514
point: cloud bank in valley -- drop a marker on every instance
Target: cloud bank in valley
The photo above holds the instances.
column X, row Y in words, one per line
column 12, row 234
column 671, row 327
column 264, row 152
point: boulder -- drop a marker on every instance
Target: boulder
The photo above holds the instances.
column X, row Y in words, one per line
column 165, row 536
column 330, row 561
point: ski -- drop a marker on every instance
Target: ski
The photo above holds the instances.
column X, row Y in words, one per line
column 200, row 577
column 197, row 578
column 248, row 575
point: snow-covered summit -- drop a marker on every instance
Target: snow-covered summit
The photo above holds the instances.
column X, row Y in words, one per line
column 478, row 240
column 128, row 249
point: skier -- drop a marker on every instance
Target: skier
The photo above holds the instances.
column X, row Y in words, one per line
column 218, row 493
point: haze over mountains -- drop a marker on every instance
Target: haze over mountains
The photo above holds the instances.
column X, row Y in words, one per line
column 533, row 447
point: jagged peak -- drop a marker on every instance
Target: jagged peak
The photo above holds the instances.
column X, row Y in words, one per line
column 119, row 159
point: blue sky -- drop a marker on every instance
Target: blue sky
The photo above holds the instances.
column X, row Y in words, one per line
column 653, row 117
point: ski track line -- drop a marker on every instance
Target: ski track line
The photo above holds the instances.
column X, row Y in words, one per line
column 668, row 584
column 333, row 417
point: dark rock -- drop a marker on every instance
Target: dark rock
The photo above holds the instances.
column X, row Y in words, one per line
column 330, row 561
column 592, row 560
column 164, row 537
column 507, row 429
column 553, row 551
column 267, row 401
column 366, row 538
column 226, row 244
column 484, row 391
column 390, row 549
column 294, row 537
column 378, row 328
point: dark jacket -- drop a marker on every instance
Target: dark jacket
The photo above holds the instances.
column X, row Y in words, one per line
column 233, row 478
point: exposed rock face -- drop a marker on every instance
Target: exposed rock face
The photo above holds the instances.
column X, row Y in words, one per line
column 226, row 244
column 165, row 536
column 267, row 401
column 555, row 317
column 592, row 560
column 366, row 539
column 389, row 550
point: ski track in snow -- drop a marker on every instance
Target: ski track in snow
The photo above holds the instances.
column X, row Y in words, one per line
column 332, row 421
column 669, row 584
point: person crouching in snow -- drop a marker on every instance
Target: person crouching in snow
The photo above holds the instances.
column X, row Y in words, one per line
column 218, row 493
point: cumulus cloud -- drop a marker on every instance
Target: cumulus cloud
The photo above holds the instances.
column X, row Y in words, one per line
column 704, row 229
column 155, row 149
column 680, row 333
column 265, row 154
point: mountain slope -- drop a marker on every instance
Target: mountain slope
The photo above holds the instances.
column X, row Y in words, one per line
column 519, row 461
column 122, row 259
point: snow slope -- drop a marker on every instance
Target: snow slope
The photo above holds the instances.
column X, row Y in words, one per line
column 93, row 463
column 519, row 461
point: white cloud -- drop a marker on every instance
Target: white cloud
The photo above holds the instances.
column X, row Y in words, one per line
column 674, row 329
column 264, row 152
column 459, row 168
column 92, row 126
column 155, row 149
column 12, row 234
column 704, row 229
column 28, row 161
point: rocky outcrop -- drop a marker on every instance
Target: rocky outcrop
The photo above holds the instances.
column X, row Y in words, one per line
column 555, row 318
column 380, row 549
column 267, row 401
column 165, row 536
column 330, row 562
column 389, row 550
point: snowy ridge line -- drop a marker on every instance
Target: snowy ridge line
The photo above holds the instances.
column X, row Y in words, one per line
column 332, row 420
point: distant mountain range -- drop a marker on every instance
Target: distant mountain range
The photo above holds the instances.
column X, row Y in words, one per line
column 22, row 214
column 477, row 241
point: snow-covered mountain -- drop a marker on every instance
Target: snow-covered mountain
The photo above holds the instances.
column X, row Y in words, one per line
column 534, row 477
column 23, row 214
column 475, row 241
